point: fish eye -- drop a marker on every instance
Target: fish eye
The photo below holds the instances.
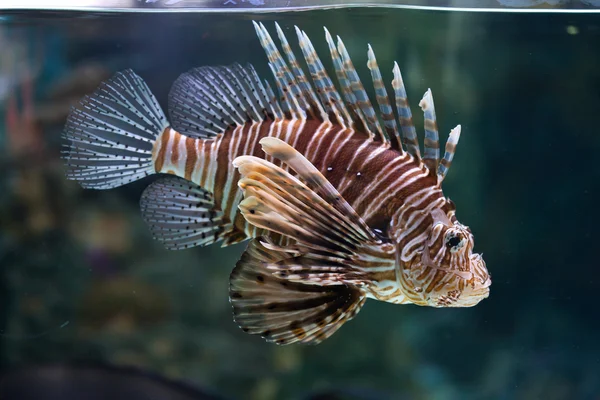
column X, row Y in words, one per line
column 454, row 241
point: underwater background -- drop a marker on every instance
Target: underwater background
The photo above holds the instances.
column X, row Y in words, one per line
column 83, row 282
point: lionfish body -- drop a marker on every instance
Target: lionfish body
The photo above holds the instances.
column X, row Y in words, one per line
column 340, row 206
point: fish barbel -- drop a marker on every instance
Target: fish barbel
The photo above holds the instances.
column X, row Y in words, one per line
column 338, row 201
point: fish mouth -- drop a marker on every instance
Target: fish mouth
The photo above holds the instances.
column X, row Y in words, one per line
column 482, row 282
column 480, row 271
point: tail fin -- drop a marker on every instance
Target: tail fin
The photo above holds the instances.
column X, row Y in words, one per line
column 111, row 133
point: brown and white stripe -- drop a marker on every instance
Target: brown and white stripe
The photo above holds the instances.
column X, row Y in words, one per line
column 375, row 179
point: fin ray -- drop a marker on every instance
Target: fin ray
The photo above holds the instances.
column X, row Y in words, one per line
column 387, row 114
column 309, row 94
column 362, row 98
column 332, row 244
column 449, row 153
column 292, row 97
column 180, row 214
column 204, row 101
column 431, row 142
column 109, row 135
column 307, row 171
column 325, row 88
column 405, row 115
column 347, row 92
column 286, row 312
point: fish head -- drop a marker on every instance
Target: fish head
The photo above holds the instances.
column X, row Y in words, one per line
column 459, row 277
column 446, row 273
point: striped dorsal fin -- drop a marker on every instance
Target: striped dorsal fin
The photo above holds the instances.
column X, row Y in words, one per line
column 431, row 143
column 204, row 101
column 431, row 156
column 362, row 99
column 449, row 153
column 409, row 132
column 387, row 114
column 299, row 75
column 285, row 312
column 353, row 108
column 360, row 120
column 293, row 95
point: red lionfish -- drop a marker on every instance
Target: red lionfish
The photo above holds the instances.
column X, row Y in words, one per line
column 339, row 202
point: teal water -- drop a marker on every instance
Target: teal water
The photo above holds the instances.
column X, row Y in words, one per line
column 83, row 281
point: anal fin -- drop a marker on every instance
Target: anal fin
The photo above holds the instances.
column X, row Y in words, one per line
column 181, row 214
column 283, row 311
